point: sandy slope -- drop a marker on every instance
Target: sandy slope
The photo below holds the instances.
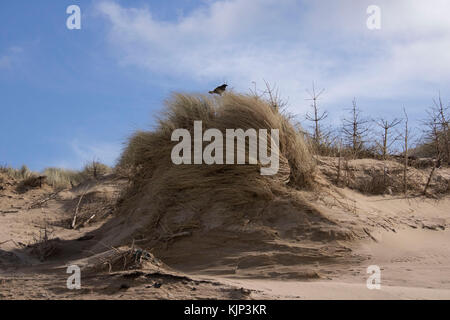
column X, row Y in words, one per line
column 415, row 264
column 407, row 238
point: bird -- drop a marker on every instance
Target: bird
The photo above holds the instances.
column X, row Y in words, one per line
column 219, row 90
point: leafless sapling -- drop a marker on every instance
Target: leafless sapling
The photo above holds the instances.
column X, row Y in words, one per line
column 387, row 139
column 406, row 135
column 434, row 137
column 317, row 115
column 442, row 116
column 355, row 130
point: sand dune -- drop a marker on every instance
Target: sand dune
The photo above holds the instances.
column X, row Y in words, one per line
column 157, row 230
column 407, row 238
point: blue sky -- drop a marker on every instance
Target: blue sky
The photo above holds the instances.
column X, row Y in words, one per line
column 70, row 96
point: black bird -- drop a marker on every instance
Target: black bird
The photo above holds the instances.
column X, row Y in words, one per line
column 219, row 90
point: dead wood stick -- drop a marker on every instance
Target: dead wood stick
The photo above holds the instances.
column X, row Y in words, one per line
column 18, row 244
column 41, row 202
column 74, row 221
column 87, row 221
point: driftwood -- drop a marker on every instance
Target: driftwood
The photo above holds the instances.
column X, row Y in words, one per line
column 74, row 221
column 9, row 211
column 39, row 203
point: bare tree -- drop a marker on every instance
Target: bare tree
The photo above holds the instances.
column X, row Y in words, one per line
column 355, row 129
column 434, row 136
column 442, row 116
column 274, row 97
column 432, row 133
column 271, row 94
column 386, row 139
column 317, row 115
column 406, row 135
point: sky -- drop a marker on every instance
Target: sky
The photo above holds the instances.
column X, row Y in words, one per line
column 70, row 96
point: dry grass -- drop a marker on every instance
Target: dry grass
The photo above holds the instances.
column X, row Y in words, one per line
column 95, row 170
column 147, row 157
column 17, row 174
column 62, row 178
column 57, row 178
column 376, row 177
column 31, row 182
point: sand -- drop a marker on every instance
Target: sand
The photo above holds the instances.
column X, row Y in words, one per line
column 407, row 238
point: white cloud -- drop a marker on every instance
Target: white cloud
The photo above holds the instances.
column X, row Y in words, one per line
column 85, row 152
column 292, row 43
